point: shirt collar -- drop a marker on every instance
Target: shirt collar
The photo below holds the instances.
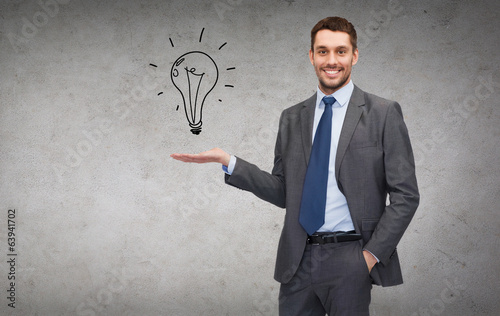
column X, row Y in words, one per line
column 342, row 95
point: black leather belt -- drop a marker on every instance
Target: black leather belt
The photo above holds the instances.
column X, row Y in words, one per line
column 335, row 237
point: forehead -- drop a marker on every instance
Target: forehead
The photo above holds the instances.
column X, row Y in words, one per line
column 327, row 38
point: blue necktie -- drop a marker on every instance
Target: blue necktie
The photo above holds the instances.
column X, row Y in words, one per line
column 312, row 206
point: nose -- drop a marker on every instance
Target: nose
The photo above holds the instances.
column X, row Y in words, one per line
column 332, row 58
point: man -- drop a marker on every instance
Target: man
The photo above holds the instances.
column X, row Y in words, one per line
column 339, row 236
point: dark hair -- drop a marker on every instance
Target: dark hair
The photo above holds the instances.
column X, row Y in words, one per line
column 335, row 23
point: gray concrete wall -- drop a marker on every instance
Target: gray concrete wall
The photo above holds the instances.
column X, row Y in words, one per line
column 106, row 223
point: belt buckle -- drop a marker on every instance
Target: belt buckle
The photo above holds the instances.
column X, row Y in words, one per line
column 316, row 243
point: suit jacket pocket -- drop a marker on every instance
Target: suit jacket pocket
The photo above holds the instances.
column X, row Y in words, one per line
column 367, row 228
column 358, row 145
column 369, row 224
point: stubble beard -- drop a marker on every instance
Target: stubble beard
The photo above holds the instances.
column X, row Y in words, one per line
column 333, row 86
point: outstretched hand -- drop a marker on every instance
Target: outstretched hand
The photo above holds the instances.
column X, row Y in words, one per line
column 212, row 155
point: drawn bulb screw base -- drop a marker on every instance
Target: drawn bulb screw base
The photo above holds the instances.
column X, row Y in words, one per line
column 195, row 128
column 195, row 75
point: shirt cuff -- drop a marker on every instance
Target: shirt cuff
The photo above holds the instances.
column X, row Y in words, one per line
column 230, row 167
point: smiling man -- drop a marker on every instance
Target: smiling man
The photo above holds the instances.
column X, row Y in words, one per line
column 338, row 155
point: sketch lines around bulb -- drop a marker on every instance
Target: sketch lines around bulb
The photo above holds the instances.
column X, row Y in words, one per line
column 194, row 75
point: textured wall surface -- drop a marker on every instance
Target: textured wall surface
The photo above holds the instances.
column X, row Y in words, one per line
column 105, row 223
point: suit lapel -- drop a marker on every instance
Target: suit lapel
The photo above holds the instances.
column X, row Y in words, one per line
column 306, row 125
column 353, row 114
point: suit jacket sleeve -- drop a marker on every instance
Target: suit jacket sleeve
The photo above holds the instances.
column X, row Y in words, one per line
column 268, row 186
column 401, row 185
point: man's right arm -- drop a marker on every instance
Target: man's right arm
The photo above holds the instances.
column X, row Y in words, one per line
column 266, row 186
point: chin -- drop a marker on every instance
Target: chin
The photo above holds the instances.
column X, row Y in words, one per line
column 334, row 86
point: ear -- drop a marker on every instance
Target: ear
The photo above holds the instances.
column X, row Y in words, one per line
column 355, row 56
column 311, row 56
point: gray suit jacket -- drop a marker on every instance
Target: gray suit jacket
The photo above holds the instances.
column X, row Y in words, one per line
column 374, row 159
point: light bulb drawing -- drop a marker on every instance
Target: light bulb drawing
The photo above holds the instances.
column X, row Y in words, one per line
column 195, row 75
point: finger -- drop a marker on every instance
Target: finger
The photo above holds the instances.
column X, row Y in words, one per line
column 182, row 157
column 196, row 158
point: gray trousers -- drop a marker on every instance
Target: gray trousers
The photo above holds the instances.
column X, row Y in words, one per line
column 332, row 279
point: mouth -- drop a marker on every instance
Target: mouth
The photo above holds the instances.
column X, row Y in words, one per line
column 331, row 73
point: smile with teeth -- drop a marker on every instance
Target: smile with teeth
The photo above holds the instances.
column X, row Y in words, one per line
column 332, row 72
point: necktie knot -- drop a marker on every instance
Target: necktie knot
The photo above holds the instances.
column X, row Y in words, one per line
column 329, row 100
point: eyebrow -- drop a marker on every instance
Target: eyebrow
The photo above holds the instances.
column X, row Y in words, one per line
column 338, row 47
